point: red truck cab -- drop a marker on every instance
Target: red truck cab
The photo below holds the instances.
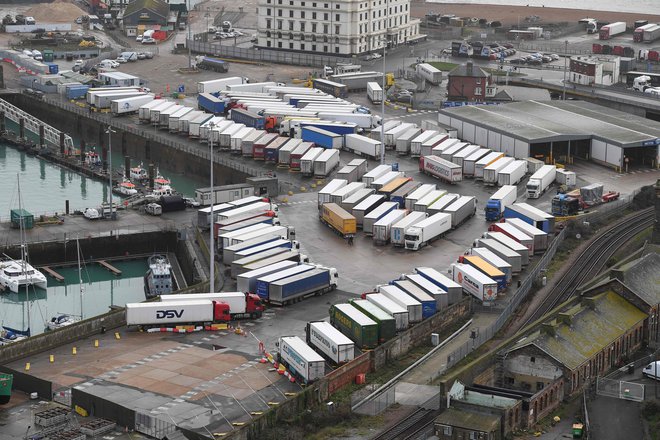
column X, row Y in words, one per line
column 221, row 312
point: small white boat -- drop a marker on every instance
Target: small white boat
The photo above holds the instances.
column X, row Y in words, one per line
column 9, row 335
column 126, row 188
column 15, row 274
column 139, row 173
column 62, row 320
column 92, row 159
column 158, row 280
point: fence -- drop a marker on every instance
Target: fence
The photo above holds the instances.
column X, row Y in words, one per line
column 620, row 389
column 374, row 406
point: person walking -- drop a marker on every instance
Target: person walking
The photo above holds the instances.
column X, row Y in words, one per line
column 350, row 240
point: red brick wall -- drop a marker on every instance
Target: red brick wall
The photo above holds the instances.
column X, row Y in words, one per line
column 346, row 374
column 464, row 88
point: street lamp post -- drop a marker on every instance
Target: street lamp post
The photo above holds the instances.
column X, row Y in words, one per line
column 109, row 131
column 565, row 56
column 382, row 110
column 211, row 243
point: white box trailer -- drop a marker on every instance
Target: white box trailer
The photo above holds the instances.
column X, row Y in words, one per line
column 307, row 160
column 513, row 232
column 398, row 312
column 416, row 143
column 403, row 142
column 346, row 191
column 429, row 73
column 245, row 249
column 507, row 254
column 303, row 362
column 453, row 289
column 168, row 313
column 327, row 161
column 494, row 259
column 461, row 210
column 400, row 297
column 398, row 229
column 503, row 197
column 540, row 181
column 382, row 229
column 361, row 165
column 239, row 213
column 91, row 93
column 144, row 112
column 379, row 212
column 420, row 192
column 284, row 153
column 374, row 92
column 224, row 240
column 450, row 152
column 103, row 100
column 431, row 144
column 513, row 173
column 385, row 179
column 237, row 139
column 330, row 342
column 348, row 173
column 387, row 126
column 474, row 282
column 132, row 104
column 362, row 120
column 215, row 132
column 224, row 137
column 247, row 143
column 331, row 187
column 268, row 231
column 218, row 85
column 440, row 168
column 511, row 244
column 195, row 125
column 436, row 292
column 540, row 237
column 395, row 133
column 427, row 230
column 470, row 161
column 247, row 281
column 184, row 121
column 239, row 263
column 362, row 145
column 158, row 115
column 377, row 172
column 201, row 132
column 173, row 121
column 365, row 207
column 430, row 198
column 354, row 199
column 482, row 163
column 440, row 204
column 460, row 156
column 250, row 87
column 491, row 171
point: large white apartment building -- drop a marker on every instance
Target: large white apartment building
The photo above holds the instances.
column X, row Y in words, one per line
column 334, row 27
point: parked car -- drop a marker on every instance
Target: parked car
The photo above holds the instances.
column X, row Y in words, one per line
column 121, row 59
column 535, row 62
column 142, row 56
column 546, row 59
column 138, row 38
column 517, row 61
column 149, row 40
column 191, row 203
column 554, row 56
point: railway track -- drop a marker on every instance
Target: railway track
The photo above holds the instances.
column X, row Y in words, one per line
column 411, row 428
column 590, row 262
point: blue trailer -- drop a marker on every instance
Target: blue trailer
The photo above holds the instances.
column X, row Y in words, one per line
column 453, row 289
column 250, row 119
column 429, row 304
column 76, row 92
column 294, row 288
column 263, row 283
column 399, row 196
column 337, row 128
column 531, row 215
column 211, row 104
column 322, row 138
column 53, row 68
column 213, row 64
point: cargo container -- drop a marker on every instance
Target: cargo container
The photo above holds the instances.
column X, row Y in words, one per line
column 343, row 193
column 366, row 206
column 376, row 214
column 331, row 187
column 400, row 297
column 453, row 289
column 416, row 143
column 132, row 104
column 202, row 132
column 431, row 144
column 362, row 145
column 429, row 199
column 399, row 196
column 507, row 254
column 284, row 154
column 474, row 282
column 392, row 186
column 374, row 92
column 440, row 168
column 470, row 161
column 446, row 144
column 495, row 260
column 440, row 204
column 356, row 325
column 301, row 361
column 382, row 229
column 271, row 152
column 348, row 173
column 338, row 219
column 385, row 179
column 532, row 215
column 429, row 73
column 294, row 288
column 460, row 157
column 268, row 231
column 398, row 229
column 539, row 236
column 377, row 172
column 461, row 210
column 224, row 137
column 322, row 138
column 247, row 281
column 396, row 311
column 502, row 198
column 248, row 118
column 449, row 152
column 487, row 269
column 436, row 292
column 212, row 64
column 417, row 194
column 361, row 165
column 404, row 141
column 307, row 161
column 213, row 133
column 267, row 219
column 211, row 104
column 77, row 92
column 300, row 151
column 541, row 181
column 327, row 161
column 218, row 85
column 259, row 145
column 428, row 303
column 395, row 133
column 511, row 244
column 354, row 199
column 236, row 214
column 263, row 283
column 511, row 231
column 184, row 121
column 427, row 230
column 226, row 239
column 492, row 171
column 485, row 161
column 387, row 126
column 329, row 342
column 386, row 323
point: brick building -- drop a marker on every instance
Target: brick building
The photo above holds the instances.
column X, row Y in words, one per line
column 469, row 83
column 589, row 69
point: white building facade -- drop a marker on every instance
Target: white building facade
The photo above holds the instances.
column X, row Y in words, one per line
column 334, row 27
column 601, row 70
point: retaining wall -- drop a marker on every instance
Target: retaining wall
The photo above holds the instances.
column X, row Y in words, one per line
column 346, row 374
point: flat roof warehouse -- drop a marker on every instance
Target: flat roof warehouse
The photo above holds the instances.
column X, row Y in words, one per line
column 557, row 129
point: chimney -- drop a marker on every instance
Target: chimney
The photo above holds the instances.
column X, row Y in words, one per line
column 468, row 68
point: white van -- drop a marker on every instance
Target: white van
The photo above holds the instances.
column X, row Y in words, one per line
column 652, row 370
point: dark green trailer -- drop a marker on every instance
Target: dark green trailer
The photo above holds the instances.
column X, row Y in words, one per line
column 16, row 215
column 356, row 325
column 386, row 323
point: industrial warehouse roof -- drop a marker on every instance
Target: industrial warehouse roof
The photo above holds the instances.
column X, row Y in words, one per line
column 468, row 420
column 159, row 7
column 582, row 331
column 552, row 121
column 643, row 277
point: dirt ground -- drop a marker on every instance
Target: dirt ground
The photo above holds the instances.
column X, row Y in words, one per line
column 60, row 11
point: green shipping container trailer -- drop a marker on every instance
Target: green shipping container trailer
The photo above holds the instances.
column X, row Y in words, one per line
column 17, row 214
column 356, row 325
column 386, row 323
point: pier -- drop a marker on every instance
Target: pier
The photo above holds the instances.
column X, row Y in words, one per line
column 59, row 278
column 110, row 267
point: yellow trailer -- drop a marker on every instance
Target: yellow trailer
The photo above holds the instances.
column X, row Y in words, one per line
column 338, row 219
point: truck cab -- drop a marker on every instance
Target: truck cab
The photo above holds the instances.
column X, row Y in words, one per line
column 253, row 305
column 641, row 83
column 493, row 210
column 533, row 189
column 413, row 238
column 652, row 370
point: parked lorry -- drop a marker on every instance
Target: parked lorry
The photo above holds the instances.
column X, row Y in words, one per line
column 398, row 230
column 485, row 161
column 395, row 133
column 470, row 161
column 404, row 141
column 398, row 312
column 272, row 151
column 440, row 168
column 512, row 232
column 251, row 119
column 453, row 289
column 487, row 269
column 361, row 165
column 252, row 138
column 343, row 193
column 263, row 283
column 539, row 236
column 199, row 129
column 417, row 194
column 356, row 198
column 317, row 281
column 460, row 156
column 211, row 104
column 212, row 64
column 374, row 174
column 322, row 138
column 325, row 192
column 442, row 203
column 400, row 194
column 513, row 173
column 436, row 292
column 239, row 263
column 376, row 214
column 243, row 250
column 240, row 305
column 429, row 199
column 532, row 215
column 162, row 314
column 502, row 198
column 307, row 161
column 247, row 281
column 303, row 363
column 329, row 342
column 132, row 104
column 392, row 186
column 495, row 260
column 333, row 88
column 323, row 165
column 356, row 325
column 427, row 230
column 511, row 244
column 300, row 151
column 365, row 207
column 428, row 303
column 450, row 152
column 413, row 306
column 374, row 92
column 461, row 210
column 184, row 122
column 363, row 145
column 436, row 144
column 539, row 182
column 416, row 143
column 361, row 120
column 383, row 227
column 429, row 73
column 237, row 139
column 338, row 219
column 507, row 254
column 493, row 170
column 218, row 85
column 284, row 153
column 474, row 282
column 386, row 322
column 610, row 30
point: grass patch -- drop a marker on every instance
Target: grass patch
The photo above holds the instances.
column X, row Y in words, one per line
column 444, row 66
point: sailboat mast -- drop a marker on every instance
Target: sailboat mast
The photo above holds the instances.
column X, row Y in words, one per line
column 80, row 279
column 23, row 248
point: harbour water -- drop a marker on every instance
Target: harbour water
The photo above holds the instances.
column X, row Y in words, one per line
column 101, row 289
column 639, row 6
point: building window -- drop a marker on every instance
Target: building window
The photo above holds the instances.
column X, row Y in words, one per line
column 291, row 14
column 314, row 13
column 290, row 35
column 532, row 359
column 302, row 14
column 267, row 34
column 325, row 48
column 446, row 430
column 314, row 38
column 325, row 16
column 302, row 4
column 336, row 50
column 473, row 435
column 302, row 46
column 478, row 80
column 279, row 2
column 325, row 6
column 268, row 43
column 290, row 2
column 539, row 386
column 325, row 28
column 268, row 11
column 302, row 26
column 290, row 45
column 279, row 35
column 279, row 25
column 290, row 25
column 337, row 17
column 314, row 27
column 279, row 44
column 279, row 13
column 336, row 40
column 337, row 29
column 268, row 24
column 314, row 47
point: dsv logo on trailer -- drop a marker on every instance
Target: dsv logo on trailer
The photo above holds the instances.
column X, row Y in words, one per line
column 164, row 314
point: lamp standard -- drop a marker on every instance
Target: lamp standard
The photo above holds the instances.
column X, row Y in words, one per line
column 382, row 108
column 565, row 56
column 211, row 243
column 109, row 131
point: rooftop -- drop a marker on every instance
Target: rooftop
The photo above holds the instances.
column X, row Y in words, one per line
column 517, row 93
column 468, row 420
column 489, row 400
column 643, row 277
column 581, row 331
column 159, row 7
column 469, row 70
column 547, row 121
